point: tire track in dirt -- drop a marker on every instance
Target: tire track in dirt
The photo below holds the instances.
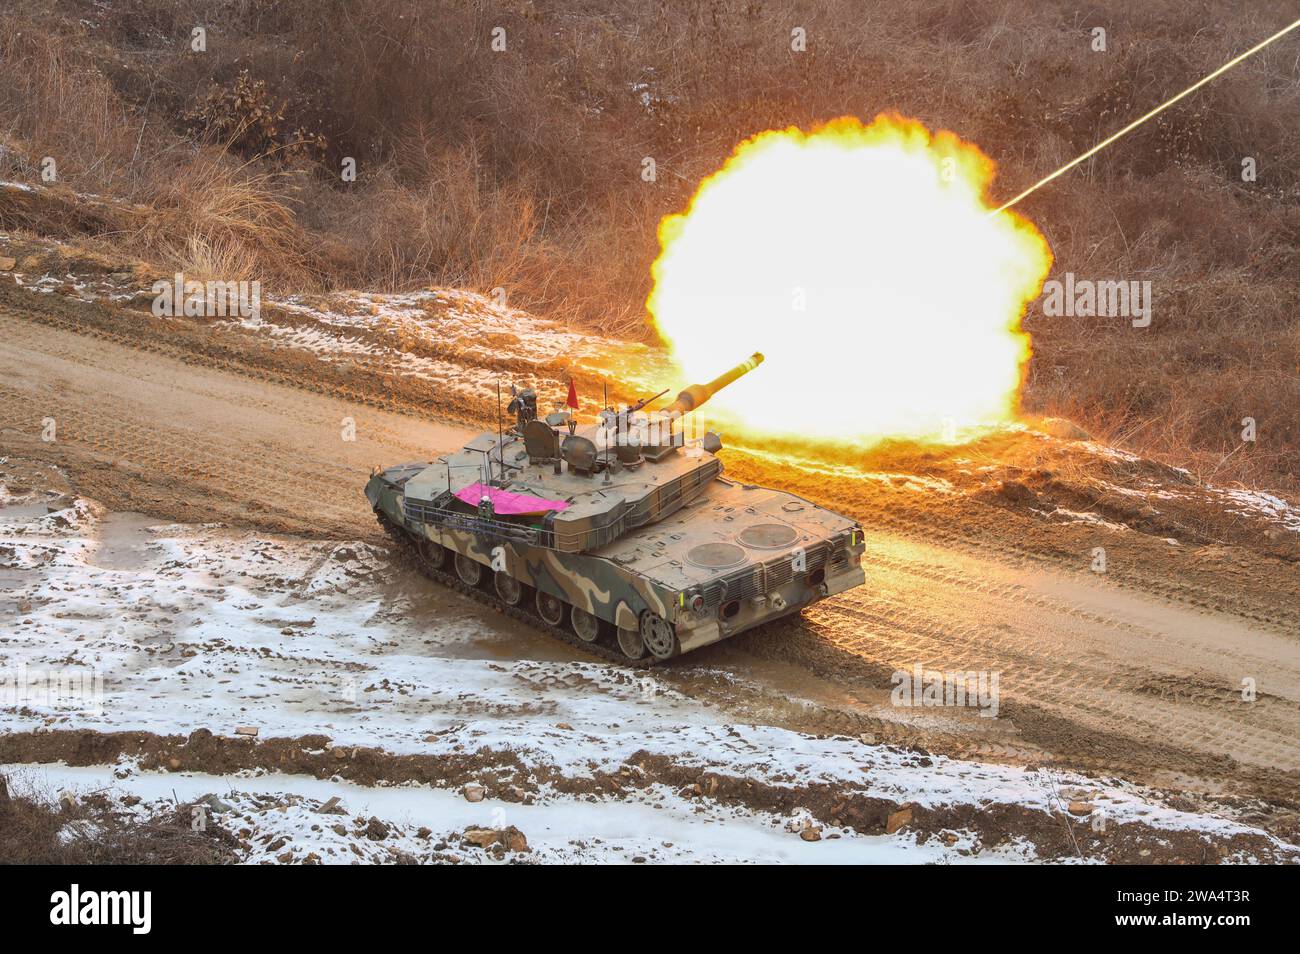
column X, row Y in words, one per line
column 140, row 431
column 1078, row 663
column 1094, row 675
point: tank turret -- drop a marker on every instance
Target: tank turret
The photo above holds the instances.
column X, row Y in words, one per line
column 655, row 436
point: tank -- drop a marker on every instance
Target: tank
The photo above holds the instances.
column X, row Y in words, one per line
column 620, row 535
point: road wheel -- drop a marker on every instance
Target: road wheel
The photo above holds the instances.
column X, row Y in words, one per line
column 433, row 555
column 586, row 627
column 508, row 588
column 659, row 636
column 469, row 571
column 630, row 641
column 550, row 608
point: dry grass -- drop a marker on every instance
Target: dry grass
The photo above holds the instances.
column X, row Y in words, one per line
column 522, row 169
column 222, row 218
column 35, row 829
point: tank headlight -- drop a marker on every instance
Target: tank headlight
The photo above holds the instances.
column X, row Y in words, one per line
column 693, row 600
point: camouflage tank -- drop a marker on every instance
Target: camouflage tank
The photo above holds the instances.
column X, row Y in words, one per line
column 622, row 535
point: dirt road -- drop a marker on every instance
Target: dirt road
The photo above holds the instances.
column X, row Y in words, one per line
column 147, row 432
column 1090, row 674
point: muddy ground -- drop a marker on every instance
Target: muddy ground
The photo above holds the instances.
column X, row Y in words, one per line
column 979, row 557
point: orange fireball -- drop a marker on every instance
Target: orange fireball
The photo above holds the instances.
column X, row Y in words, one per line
column 868, row 264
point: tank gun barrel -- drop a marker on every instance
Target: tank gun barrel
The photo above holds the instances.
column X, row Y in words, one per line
column 695, row 395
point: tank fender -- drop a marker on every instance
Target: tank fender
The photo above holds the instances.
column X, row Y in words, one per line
column 624, row 616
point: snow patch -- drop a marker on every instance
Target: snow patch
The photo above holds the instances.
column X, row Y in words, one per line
column 204, row 627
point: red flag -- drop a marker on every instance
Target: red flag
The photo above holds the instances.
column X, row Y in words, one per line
column 572, row 399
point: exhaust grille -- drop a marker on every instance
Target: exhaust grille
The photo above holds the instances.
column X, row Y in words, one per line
column 763, row 578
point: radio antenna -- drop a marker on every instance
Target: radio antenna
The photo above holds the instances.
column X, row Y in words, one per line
column 501, row 440
column 604, row 417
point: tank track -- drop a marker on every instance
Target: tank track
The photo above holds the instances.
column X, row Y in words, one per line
column 600, row 648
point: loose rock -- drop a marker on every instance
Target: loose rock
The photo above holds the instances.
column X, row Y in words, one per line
column 898, row 819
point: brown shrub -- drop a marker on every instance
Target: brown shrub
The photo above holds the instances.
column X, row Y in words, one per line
column 36, row 829
column 522, row 169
